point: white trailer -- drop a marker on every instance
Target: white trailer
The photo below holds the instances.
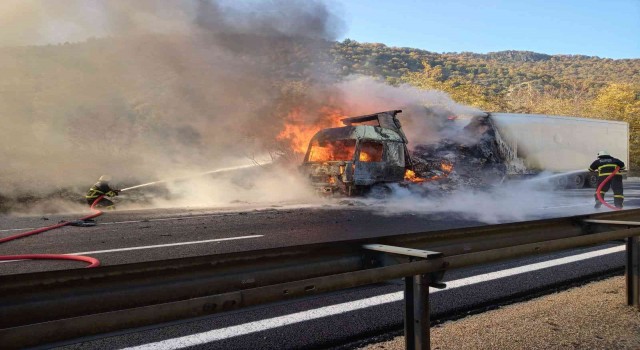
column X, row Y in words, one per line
column 535, row 143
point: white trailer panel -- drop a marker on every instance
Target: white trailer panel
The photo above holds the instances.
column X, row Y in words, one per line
column 561, row 144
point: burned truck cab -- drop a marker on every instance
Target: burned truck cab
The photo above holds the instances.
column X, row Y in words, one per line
column 350, row 160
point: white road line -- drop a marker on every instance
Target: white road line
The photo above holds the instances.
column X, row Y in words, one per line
column 262, row 325
column 628, row 197
column 155, row 246
column 18, row 229
column 165, row 219
column 568, row 206
column 627, row 206
column 166, row 245
column 224, row 213
column 136, row 221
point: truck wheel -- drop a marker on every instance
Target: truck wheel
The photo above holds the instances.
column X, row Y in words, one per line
column 577, row 181
column 379, row 191
column 592, row 181
column 562, row 182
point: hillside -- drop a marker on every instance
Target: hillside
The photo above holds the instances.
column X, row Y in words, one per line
column 497, row 71
column 510, row 81
column 155, row 95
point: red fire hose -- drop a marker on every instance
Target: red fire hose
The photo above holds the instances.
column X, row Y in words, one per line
column 602, row 185
column 91, row 261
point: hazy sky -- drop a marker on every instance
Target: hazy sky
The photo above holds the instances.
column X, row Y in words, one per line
column 605, row 28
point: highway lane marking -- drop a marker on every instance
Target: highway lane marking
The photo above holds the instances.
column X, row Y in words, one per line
column 585, row 205
column 166, row 219
column 628, row 200
column 281, row 321
column 568, row 206
column 252, row 211
column 155, row 246
column 136, row 221
column 628, row 195
column 18, row 229
column 166, row 245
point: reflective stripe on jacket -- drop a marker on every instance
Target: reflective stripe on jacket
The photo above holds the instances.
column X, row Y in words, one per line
column 100, row 188
column 605, row 165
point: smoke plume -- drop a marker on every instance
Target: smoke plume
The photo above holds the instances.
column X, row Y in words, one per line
column 502, row 202
column 148, row 89
column 422, row 110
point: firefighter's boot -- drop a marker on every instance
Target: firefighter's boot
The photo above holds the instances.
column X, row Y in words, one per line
column 617, row 201
column 598, row 203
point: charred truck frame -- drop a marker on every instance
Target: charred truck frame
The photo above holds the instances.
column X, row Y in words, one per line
column 369, row 150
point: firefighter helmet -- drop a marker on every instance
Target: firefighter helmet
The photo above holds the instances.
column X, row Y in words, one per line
column 105, row 178
column 603, row 153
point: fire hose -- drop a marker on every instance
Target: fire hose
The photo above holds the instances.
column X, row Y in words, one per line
column 598, row 191
column 91, row 261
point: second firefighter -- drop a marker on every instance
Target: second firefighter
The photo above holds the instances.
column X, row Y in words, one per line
column 102, row 188
column 605, row 165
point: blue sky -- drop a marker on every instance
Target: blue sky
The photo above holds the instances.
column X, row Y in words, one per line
column 605, row 28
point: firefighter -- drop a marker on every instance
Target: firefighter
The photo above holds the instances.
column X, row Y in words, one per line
column 605, row 165
column 102, row 188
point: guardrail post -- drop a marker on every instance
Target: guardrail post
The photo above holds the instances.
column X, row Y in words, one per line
column 416, row 294
column 416, row 313
column 409, row 327
column 633, row 271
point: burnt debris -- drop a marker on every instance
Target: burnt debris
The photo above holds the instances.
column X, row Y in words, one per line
column 468, row 157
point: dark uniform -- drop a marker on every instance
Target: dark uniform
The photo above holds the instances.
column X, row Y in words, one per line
column 605, row 165
column 101, row 188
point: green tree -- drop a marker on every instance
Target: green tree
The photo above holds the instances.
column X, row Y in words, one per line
column 622, row 102
column 461, row 91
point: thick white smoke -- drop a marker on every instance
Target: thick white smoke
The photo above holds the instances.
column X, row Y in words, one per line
column 160, row 89
column 503, row 202
column 150, row 89
column 365, row 95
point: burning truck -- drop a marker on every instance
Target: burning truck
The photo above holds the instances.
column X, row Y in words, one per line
column 370, row 151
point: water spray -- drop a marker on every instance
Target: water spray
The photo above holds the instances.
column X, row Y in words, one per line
column 562, row 174
column 217, row 171
column 555, row 178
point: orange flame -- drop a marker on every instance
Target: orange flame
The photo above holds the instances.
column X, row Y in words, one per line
column 336, row 150
column 298, row 130
column 364, row 157
column 445, row 166
column 371, row 152
column 410, row 175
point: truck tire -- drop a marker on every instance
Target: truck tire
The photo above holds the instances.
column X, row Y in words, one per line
column 561, row 182
column 379, row 191
column 592, row 181
column 577, row 181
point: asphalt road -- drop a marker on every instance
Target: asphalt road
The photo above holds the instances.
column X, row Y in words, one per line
column 325, row 321
column 157, row 234
column 152, row 235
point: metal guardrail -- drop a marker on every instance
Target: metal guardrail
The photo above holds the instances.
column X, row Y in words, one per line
column 61, row 305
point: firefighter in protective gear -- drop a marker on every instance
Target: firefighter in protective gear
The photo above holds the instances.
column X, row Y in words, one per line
column 605, row 165
column 102, row 188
